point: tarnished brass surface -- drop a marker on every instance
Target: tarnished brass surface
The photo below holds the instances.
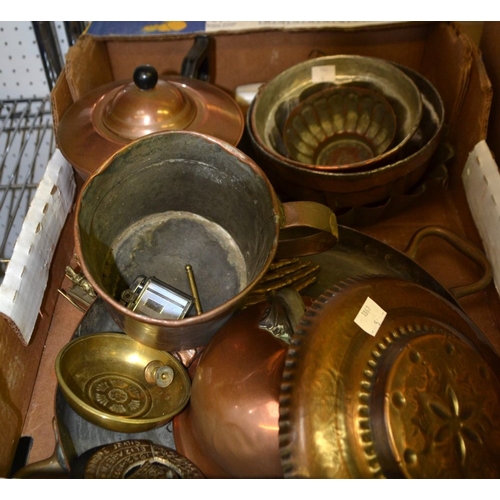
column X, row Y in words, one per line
column 139, row 459
column 352, row 189
column 107, row 118
column 419, row 399
column 177, row 197
column 341, row 128
column 106, row 379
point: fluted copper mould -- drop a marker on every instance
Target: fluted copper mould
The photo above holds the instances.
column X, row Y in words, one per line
column 115, row 114
column 350, row 189
column 340, row 128
column 176, row 198
column 119, row 384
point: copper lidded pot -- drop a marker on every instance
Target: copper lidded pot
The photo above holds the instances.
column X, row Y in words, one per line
column 113, row 115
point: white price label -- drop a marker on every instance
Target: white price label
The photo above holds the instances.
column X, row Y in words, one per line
column 321, row 74
column 370, row 317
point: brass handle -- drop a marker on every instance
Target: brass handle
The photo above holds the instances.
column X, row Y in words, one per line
column 466, row 248
column 307, row 228
column 54, row 467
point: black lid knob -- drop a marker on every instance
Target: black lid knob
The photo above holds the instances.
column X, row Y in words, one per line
column 145, row 77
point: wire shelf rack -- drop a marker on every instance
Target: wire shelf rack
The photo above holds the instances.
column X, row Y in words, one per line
column 26, row 146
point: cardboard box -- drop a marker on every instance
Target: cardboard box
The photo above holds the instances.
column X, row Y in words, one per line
column 438, row 50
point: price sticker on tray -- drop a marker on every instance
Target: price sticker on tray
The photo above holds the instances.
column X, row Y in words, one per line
column 370, row 317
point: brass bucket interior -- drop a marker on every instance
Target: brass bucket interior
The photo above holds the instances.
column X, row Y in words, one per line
column 174, row 199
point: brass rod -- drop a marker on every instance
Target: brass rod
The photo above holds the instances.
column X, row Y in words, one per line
column 194, row 289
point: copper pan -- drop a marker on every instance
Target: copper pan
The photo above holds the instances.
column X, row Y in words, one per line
column 350, row 189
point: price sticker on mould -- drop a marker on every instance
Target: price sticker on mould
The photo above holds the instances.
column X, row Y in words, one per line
column 321, row 74
column 370, row 317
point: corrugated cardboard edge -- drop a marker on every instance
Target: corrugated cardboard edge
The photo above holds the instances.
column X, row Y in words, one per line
column 239, row 27
column 482, row 187
column 23, row 287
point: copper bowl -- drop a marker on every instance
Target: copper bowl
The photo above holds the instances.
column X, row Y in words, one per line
column 340, row 190
column 341, row 128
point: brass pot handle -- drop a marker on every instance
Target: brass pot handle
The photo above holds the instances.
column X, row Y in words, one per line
column 307, row 228
column 55, row 467
column 463, row 246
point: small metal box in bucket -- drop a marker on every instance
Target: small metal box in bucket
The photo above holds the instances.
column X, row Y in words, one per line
column 177, row 199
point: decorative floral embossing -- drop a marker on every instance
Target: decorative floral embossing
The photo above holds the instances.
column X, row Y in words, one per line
column 447, row 424
column 118, row 395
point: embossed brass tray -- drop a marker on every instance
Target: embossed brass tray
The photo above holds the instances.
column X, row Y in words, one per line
column 119, row 384
column 414, row 394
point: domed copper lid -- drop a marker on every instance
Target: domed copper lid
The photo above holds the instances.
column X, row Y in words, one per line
column 384, row 378
column 111, row 116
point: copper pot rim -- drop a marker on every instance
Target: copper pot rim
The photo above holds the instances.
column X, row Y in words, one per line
column 85, row 147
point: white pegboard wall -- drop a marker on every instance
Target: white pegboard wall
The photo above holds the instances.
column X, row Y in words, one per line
column 22, row 75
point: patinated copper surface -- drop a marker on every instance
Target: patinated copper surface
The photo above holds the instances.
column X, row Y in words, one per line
column 111, row 116
column 418, row 399
column 230, row 427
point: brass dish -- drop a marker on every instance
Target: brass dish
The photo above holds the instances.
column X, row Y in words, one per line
column 119, row 384
column 113, row 115
column 410, row 390
column 340, row 128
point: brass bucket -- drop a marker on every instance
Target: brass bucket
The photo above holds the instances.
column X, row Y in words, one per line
column 174, row 199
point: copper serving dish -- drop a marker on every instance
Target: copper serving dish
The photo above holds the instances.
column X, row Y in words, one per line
column 340, row 190
column 113, row 115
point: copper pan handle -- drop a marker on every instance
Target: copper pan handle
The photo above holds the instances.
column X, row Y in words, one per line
column 463, row 246
column 306, row 228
